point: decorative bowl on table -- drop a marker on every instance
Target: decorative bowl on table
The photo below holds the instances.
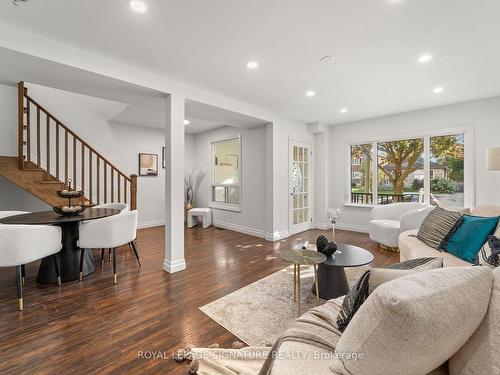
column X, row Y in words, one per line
column 69, row 210
column 69, row 194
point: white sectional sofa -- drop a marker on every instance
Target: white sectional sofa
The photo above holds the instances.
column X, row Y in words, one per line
column 410, row 247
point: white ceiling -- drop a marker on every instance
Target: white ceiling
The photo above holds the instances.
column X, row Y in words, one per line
column 375, row 44
column 202, row 118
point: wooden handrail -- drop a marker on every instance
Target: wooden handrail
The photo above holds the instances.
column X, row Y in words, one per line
column 94, row 174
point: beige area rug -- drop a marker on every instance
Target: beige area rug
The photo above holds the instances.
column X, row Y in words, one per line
column 258, row 313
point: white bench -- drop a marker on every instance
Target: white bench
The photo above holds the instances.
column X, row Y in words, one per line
column 195, row 214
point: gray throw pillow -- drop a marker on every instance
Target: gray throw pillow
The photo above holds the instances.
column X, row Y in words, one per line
column 373, row 278
column 438, row 227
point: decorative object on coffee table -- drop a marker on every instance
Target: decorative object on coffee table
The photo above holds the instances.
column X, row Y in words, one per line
column 325, row 247
column 331, row 276
column 298, row 258
column 333, row 216
column 69, row 210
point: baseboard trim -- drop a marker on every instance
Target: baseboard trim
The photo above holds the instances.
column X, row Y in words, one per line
column 150, row 223
column 239, row 228
column 175, row 266
column 276, row 236
column 352, row 227
column 323, row 226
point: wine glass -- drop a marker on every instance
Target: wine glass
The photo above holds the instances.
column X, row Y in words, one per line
column 333, row 216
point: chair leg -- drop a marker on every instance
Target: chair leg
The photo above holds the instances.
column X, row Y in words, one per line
column 58, row 269
column 82, row 256
column 19, row 282
column 114, row 265
column 102, row 258
column 134, row 249
column 109, row 255
column 23, row 274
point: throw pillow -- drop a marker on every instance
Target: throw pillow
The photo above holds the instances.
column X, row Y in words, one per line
column 353, row 301
column 375, row 277
column 438, row 226
column 413, row 324
column 470, row 237
column 378, row 276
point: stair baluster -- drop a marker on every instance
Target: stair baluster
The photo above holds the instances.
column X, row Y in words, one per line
column 71, row 168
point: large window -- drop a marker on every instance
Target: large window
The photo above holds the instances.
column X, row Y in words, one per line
column 226, row 173
column 422, row 169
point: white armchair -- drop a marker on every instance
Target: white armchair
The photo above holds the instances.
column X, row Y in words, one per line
column 386, row 222
column 110, row 232
column 22, row 244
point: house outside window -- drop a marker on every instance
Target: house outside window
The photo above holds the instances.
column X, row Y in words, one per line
column 226, row 174
column 420, row 169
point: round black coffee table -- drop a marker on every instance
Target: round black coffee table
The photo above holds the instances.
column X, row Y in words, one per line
column 69, row 256
column 332, row 280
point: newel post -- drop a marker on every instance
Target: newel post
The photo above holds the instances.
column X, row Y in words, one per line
column 20, row 125
column 133, row 192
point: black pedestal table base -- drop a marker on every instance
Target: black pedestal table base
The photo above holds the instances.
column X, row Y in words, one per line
column 333, row 282
column 68, row 257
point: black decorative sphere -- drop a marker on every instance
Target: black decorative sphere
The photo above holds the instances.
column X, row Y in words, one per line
column 325, row 247
column 321, row 243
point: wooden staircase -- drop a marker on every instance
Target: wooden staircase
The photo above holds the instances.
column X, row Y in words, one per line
column 50, row 155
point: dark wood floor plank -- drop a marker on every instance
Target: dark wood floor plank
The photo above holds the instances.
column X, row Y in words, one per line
column 97, row 327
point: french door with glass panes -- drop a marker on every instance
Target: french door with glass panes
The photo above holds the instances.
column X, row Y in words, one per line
column 300, row 202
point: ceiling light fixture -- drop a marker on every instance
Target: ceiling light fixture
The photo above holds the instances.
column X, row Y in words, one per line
column 438, row 90
column 138, row 6
column 252, row 65
column 310, row 93
column 344, row 110
column 425, row 58
column 187, row 122
column 17, row 2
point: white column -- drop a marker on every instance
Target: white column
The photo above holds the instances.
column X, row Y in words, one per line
column 174, row 184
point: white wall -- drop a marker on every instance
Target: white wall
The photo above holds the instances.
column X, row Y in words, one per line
column 252, row 218
column 483, row 115
column 8, row 120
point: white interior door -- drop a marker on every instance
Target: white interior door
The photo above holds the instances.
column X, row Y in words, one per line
column 300, row 202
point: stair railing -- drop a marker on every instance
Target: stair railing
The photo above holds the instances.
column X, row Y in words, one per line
column 64, row 156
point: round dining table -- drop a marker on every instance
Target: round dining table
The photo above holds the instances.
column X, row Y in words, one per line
column 69, row 256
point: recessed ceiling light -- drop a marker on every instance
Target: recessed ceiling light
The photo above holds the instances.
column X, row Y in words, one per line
column 187, row 122
column 138, row 6
column 252, row 65
column 310, row 93
column 425, row 58
column 344, row 110
column 326, row 59
column 438, row 90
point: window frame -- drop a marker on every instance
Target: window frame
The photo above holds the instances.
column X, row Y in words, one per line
column 223, row 205
column 469, row 185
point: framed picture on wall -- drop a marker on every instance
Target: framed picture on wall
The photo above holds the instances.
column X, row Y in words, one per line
column 148, row 164
column 164, row 163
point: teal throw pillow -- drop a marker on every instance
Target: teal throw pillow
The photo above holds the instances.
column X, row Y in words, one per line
column 470, row 237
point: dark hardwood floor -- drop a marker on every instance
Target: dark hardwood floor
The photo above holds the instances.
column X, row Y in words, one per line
column 96, row 327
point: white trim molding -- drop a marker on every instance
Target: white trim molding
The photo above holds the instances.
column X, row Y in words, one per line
column 352, row 227
column 151, row 223
column 278, row 235
column 239, row 228
column 176, row 266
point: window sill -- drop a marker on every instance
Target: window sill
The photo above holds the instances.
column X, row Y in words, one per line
column 225, row 206
column 359, row 205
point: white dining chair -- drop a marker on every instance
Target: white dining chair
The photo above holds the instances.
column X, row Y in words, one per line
column 123, row 207
column 23, row 244
column 110, row 232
